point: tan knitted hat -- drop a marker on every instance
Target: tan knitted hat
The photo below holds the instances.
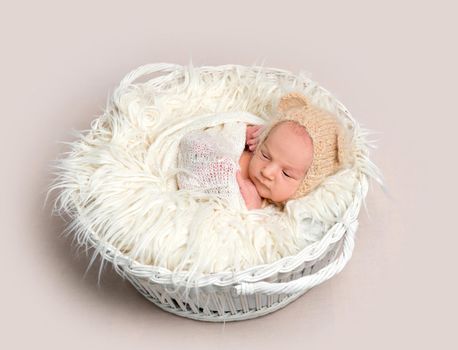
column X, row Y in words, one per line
column 332, row 146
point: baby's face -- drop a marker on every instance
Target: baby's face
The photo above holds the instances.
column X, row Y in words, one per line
column 280, row 163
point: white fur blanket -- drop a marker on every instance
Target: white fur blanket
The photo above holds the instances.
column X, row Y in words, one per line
column 118, row 182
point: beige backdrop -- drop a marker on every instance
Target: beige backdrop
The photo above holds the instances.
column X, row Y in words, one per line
column 392, row 63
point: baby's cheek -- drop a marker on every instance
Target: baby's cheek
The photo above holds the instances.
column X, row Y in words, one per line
column 250, row 167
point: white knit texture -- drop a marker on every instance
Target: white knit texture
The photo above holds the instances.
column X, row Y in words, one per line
column 210, row 158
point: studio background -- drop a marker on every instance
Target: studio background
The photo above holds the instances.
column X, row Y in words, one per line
column 391, row 63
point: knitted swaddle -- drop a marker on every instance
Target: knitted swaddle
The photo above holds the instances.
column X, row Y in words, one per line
column 209, row 160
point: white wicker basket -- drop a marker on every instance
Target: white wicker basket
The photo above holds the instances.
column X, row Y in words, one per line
column 261, row 289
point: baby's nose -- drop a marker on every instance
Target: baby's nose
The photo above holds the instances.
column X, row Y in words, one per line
column 268, row 173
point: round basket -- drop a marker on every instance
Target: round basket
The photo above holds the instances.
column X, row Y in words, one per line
column 223, row 296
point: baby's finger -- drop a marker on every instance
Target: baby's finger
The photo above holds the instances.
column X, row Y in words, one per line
column 250, row 129
column 258, row 130
column 239, row 178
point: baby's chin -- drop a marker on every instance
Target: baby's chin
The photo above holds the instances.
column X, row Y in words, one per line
column 266, row 194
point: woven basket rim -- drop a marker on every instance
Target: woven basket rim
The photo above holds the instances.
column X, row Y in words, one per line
column 163, row 275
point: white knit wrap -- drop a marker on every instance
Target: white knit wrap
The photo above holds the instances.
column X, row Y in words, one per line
column 210, row 158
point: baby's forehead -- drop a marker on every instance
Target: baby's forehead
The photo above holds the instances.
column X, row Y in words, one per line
column 285, row 134
column 289, row 127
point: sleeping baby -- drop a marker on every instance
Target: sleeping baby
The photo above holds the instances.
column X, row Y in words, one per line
column 257, row 165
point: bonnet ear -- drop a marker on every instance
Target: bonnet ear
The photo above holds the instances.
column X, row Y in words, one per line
column 345, row 153
column 292, row 100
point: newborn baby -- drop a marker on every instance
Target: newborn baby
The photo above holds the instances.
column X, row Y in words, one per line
column 277, row 167
column 285, row 159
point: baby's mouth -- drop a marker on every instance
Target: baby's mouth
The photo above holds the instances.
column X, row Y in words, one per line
column 262, row 183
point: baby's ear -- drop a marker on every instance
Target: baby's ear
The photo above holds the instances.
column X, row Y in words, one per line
column 345, row 153
column 292, row 100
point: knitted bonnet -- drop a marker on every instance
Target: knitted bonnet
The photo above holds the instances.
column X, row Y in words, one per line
column 332, row 146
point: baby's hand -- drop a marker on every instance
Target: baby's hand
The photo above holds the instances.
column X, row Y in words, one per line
column 252, row 133
column 249, row 192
